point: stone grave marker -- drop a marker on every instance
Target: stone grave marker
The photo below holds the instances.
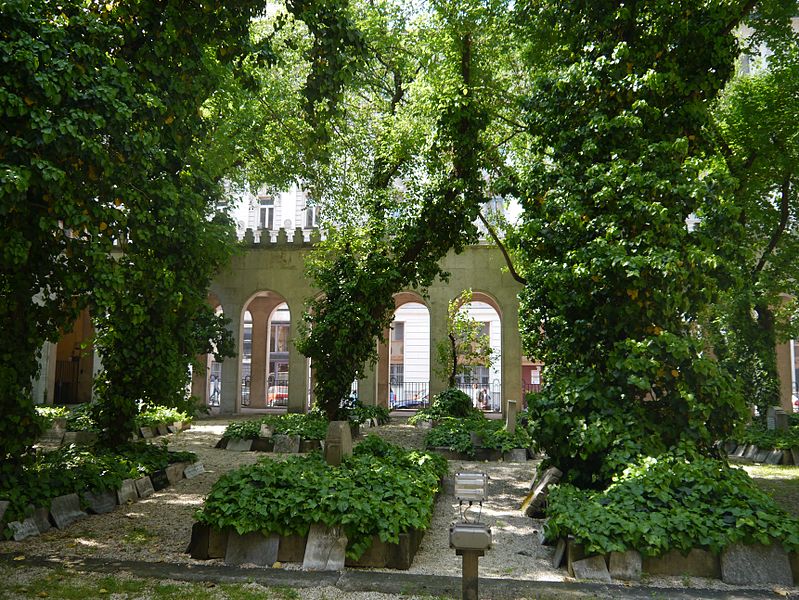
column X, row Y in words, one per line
column 781, row 422
column 286, row 444
column 534, row 502
column 4, row 504
column 266, row 431
column 326, row 547
column 174, row 472
column 739, row 451
column 127, row 492
column 144, row 487
column 55, row 435
column 42, row 518
column 254, row 548
column 146, row 432
column 761, row 455
column 162, row 429
column 516, row 455
column 174, row 427
column 101, row 502
column 750, row 452
column 510, row 417
column 626, row 565
column 560, row 552
column 774, row 457
column 159, row 480
column 193, row 470
column 70, row 437
column 593, row 568
column 338, row 442
column 65, row 510
column 754, row 564
column 24, row 529
column 239, row 445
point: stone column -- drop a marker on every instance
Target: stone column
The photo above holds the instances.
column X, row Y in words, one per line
column 260, row 309
column 230, row 401
column 298, row 384
column 785, row 372
column 511, row 354
column 381, row 368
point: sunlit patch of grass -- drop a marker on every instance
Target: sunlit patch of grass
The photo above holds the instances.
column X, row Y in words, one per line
column 138, row 536
column 781, row 481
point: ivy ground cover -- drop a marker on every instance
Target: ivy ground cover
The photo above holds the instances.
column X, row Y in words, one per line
column 380, row 490
column 677, row 501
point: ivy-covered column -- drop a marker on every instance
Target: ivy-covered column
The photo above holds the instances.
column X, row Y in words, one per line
column 439, row 301
column 367, row 387
column 511, row 348
column 298, row 364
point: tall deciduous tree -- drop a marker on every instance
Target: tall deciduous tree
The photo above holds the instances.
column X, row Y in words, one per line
column 615, row 278
column 100, row 111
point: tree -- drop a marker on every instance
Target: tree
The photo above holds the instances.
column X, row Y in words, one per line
column 466, row 345
column 101, row 109
column 755, row 131
column 619, row 160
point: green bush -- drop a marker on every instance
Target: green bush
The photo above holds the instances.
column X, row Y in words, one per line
column 48, row 414
column 677, row 501
column 361, row 413
column 381, row 490
column 311, row 426
column 449, row 403
column 156, row 415
column 71, row 469
column 455, row 434
column 80, row 419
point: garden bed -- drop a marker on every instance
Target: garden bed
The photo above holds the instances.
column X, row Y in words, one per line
column 381, row 498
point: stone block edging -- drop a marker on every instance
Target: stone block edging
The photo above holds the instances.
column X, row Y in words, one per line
column 772, row 456
column 43, row 517
column 738, row 564
column 267, row 444
column 480, row 454
column 209, row 542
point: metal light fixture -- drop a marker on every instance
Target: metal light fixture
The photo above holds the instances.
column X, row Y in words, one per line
column 470, row 540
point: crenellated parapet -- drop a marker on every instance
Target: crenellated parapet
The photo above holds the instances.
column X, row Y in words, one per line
column 283, row 239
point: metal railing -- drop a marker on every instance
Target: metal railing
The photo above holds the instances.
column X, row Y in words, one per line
column 485, row 396
column 408, row 395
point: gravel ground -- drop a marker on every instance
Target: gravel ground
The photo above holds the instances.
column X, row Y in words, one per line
column 158, row 529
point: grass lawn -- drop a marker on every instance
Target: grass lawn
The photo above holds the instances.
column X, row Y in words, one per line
column 781, row 481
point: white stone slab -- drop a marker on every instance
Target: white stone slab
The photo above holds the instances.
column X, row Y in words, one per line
column 755, row 564
column 626, row 565
column 144, row 487
column 326, row 548
column 101, row 502
column 127, row 492
column 592, row 568
column 239, row 445
column 252, row 548
column 24, row 529
column 193, row 470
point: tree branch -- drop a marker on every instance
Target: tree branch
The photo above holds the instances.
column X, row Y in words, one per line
column 502, row 249
column 778, row 230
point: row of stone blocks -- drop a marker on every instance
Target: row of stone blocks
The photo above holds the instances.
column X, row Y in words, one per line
column 65, row 510
column 265, row 550
column 771, row 457
column 279, row 443
column 739, row 564
column 483, row 454
column 57, row 434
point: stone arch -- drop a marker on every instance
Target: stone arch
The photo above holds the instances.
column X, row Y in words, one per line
column 255, row 337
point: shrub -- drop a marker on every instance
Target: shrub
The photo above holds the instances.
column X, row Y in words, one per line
column 381, row 490
column 455, row 434
column 156, row 415
column 757, row 435
column 361, row 413
column 311, row 426
column 677, row 501
column 49, row 414
column 449, row 403
column 80, row 418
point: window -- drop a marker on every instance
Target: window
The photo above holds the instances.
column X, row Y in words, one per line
column 397, row 374
column 310, row 216
column 279, row 337
column 266, row 212
column 398, row 331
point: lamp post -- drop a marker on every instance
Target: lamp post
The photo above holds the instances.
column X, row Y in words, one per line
column 470, row 539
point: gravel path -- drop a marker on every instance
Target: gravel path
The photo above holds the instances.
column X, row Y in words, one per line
column 158, row 529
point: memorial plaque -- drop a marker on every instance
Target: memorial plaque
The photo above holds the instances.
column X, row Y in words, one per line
column 774, row 457
column 42, row 517
column 159, row 480
column 761, row 455
column 144, row 487
column 53, row 436
column 193, row 470
column 162, row 429
column 24, row 529
column 239, row 445
column 127, row 492
column 326, row 548
column 286, row 444
column 146, row 432
column 251, row 548
column 174, row 472
column 65, row 510
column 100, row 502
